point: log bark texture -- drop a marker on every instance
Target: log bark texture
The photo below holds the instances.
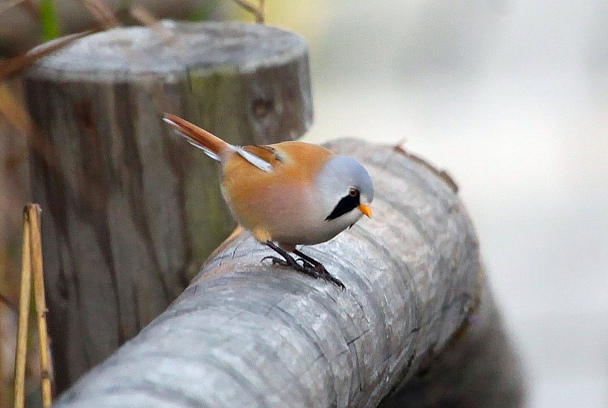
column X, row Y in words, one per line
column 130, row 209
column 246, row 334
column 478, row 369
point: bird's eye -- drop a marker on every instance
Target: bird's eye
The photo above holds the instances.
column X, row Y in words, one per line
column 353, row 192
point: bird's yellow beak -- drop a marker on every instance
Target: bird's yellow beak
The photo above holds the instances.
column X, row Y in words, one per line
column 366, row 209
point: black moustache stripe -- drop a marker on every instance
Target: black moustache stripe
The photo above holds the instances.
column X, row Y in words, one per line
column 346, row 205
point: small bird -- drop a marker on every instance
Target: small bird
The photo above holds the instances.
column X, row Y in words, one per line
column 287, row 194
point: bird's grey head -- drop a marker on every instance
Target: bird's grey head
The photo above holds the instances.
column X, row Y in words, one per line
column 346, row 188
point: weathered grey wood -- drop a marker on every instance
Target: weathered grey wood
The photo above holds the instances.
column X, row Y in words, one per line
column 245, row 334
column 131, row 210
column 478, row 369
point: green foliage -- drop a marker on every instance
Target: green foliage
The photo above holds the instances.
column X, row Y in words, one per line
column 49, row 20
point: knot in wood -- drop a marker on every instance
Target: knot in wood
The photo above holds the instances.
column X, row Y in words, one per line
column 262, row 107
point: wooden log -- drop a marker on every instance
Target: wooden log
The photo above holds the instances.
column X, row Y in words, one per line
column 131, row 210
column 478, row 369
column 246, row 334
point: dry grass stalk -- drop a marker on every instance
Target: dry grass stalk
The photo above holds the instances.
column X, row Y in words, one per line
column 9, row 4
column 258, row 12
column 13, row 110
column 102, row 13
column 24, row 313
column 28, row 5
column 31, row 7
column 7, row 302
column 41, row 310
column 146, row 18
column 13, row 65
column 32, row 266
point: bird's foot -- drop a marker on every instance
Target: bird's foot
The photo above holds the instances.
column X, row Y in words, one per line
column 328, row 277
column 311, row 263
column 290, row 262
column 308, row 266
column 277, row 261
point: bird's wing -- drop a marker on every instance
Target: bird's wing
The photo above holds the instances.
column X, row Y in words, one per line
column 253, row 158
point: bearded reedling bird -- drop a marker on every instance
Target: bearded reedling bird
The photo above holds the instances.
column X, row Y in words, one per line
column 291, row 193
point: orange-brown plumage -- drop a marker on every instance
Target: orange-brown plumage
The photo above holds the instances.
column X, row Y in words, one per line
column 257, row 197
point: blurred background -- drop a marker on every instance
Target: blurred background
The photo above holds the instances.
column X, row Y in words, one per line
column 509, row 96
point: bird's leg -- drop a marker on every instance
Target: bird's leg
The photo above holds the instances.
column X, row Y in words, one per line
column 318, row 266
column 310, row 266
column 287, row 259
column 307, row 260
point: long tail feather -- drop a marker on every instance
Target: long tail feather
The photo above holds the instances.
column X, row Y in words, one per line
column 212, row 145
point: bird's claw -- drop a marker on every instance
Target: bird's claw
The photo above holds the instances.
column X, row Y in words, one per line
column 319, row 271
column 326, row 276
column 276, row 261
column 314, row 271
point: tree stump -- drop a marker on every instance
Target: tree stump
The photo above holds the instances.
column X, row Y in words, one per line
column 130, row 209
column 247, row 334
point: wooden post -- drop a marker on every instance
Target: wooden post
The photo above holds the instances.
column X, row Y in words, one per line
column 131, row 209
column 246, row 334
